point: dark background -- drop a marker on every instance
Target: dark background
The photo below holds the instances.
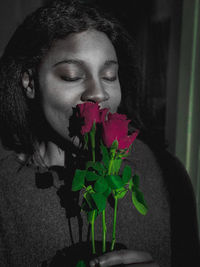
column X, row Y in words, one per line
column 156, row 26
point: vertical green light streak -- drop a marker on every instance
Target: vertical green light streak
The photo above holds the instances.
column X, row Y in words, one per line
column 198, row 189
column 192, row 86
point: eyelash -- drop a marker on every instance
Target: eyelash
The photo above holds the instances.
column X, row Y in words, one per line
column 75, row 79
column 111, row 79
column 68, row 79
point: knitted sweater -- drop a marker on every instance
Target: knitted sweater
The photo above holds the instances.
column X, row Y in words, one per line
column 40, row 217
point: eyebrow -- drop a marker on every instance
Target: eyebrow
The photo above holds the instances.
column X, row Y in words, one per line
column 80, row 62
column 69, row 61
column 111, row 62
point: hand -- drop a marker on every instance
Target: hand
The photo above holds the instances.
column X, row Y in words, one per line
column 122, row 257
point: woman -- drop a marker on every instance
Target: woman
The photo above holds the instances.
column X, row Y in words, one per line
column 64, row 54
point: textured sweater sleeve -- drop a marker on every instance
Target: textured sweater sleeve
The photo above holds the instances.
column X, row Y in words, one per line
column 3, row 250
column 3, row 261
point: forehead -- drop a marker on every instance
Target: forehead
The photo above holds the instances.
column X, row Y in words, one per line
column 87, row 45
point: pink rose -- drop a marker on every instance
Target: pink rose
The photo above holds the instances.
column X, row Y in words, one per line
column 90, row 112
column 116, row 127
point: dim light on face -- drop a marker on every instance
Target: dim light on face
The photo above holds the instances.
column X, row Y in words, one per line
column 82, row 67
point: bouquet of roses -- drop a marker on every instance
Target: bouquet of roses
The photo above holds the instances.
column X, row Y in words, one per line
column 104, row 177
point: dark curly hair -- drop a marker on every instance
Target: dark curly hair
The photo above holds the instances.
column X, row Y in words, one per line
column 28, row 46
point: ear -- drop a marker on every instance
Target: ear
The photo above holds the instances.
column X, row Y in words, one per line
column 28, row 84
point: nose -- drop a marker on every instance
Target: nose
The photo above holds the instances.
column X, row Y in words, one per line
column 95, row 92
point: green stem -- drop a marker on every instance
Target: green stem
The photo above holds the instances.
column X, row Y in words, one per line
column 103, row 213
column 92, row 137
column 104, row 231
column 114, row 225
column 93, row 241
column 110, row 166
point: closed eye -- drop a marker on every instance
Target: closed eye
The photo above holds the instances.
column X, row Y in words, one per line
column 110, row 79
column 70, row 79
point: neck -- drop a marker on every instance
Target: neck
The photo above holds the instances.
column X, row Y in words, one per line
column 51, row 154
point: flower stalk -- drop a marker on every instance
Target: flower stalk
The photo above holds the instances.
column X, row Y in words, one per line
column 103, row 212
column 114, row 225
column 103, row 215
column 92, row 229
column 92, row 138
column 104, row 231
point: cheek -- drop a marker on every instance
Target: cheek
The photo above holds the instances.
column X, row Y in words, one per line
column 57, row 107
column 56, row 95
column 56, row 101
column 57, row 115
column 115, row 98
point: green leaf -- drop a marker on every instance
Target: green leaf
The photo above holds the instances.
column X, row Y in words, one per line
column 105, row 155
column 88, row 203
column 80, row 264
column 100, row 201
column 122, row 155
column 97, row 166
column 107, row 192
column 91, row 176
column 116, row 165
column 89, row 164
column 130, row 186
column 114, row 181
column 114, row 145
column 120, row 193
column 127, row 173
column 136, row 181
column 90, row 215
column 101, row 185
column 139, row 202
column 89, row 200
column 79, row 179
column 89, row 189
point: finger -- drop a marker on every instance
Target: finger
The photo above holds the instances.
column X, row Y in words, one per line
column 152, row 264
column 108, row 259
column 123, row 256
column 94, row 262
column 132, row 256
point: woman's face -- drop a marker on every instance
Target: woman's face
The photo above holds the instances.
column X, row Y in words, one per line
column 82, row 67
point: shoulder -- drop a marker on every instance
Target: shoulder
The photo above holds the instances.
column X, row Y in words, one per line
column 142, row 156
column 160, row 166
column 15, row 175
column 10, row 164
column 169, row 164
